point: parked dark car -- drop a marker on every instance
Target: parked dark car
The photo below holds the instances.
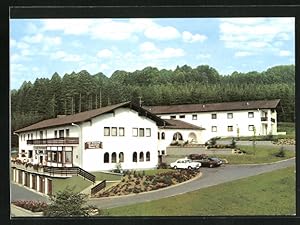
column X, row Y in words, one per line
column 210, row 162
column 197, row 156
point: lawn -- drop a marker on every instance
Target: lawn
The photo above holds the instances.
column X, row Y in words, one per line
column 261, row 154
column 287, row 127
column 106, row 176
column 79, row 184
column 271, row 193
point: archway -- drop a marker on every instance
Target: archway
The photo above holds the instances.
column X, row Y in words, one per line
column 192, row 138
column 177, row 137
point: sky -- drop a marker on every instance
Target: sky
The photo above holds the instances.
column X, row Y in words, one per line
column 41, row 47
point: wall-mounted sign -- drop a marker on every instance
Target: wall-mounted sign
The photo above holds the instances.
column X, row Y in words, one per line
column 92, row 144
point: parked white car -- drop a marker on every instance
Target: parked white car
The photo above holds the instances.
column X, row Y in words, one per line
column 185, row 164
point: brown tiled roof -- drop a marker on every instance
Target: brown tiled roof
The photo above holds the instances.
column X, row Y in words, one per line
column 87, row 115
column 224, row 106
column 179, row 124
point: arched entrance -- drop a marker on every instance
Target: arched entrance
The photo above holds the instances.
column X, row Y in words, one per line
column 192, row 138
column 177, row 137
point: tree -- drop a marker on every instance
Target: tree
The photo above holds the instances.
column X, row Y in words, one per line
column 69, row 203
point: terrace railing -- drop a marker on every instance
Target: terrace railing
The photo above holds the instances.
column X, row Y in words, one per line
column 65, row 140
column 98, row 187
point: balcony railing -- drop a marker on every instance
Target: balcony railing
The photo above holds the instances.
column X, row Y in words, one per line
column 49, row 141
column 266, row 119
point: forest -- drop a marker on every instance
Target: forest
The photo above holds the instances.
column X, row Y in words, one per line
column 78, row 92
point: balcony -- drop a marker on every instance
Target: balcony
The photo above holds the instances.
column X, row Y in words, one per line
column 54, row 141
column 265, row 119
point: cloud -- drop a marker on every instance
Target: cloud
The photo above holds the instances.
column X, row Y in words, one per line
column 203, row 56
column 255, row 35
column 191, row 38
column 161, row 33
column 164, row 54
column 61, row 55
column 108, row 29
column 105, row 53
column 147, row 47
column 243, row 54
column 37, row 38
column 284, row 53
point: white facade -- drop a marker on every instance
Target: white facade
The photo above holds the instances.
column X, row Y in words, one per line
column 131, row 143
column 230, row 123
column 138, row 150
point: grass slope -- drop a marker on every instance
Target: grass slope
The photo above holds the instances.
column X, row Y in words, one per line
column 261, row 154
column 79, row 184
column 266, row 194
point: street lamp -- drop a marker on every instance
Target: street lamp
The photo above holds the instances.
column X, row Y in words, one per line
column 80, row 142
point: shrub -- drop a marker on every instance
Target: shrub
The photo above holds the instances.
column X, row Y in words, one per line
column 280, row 153
column 162, row 166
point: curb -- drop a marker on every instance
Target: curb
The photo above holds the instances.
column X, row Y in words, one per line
column 147, row 192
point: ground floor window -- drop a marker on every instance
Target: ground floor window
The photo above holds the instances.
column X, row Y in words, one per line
column 121, row 157
column 230, row 128
column 147, row 156
column 141, row 156
column 134, row 157
column 113, row 157
column 106, row 157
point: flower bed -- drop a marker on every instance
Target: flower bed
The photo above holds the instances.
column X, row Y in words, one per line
column 138, row 182
column 34, row 206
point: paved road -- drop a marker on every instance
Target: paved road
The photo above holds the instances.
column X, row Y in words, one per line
column 210, row 177
column 22, row 193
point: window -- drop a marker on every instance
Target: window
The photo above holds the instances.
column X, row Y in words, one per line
column 214, row 116
column 31, row 135
column 229, row 115
column 148, row 132
column 30, row 154
column 194, row 117
column 55, row 133
column 141, row 157
column 59, row 157
column 182, row 116
column 163, row 135
column 106, row 157
column 113, row 131
column 61, row 133
column 49, row 156
column 113, row 157
column 251, row 127
column 28, row 137
column 68, row 157
column 121, row 131
column 54, row 156
column 230, row 128
column 162, row 152
column 173, row 117
column 250, row 114
column 67, row 132
column 141, row 132
column 177, row 136
column 134, row 157
column 106, row 131
column 134, row 132
column 147, row 156
column 121, row 157
column 214, row 128
column 41, row 134
column 158, row 135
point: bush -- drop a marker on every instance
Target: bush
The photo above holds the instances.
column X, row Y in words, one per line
column 68, row 203
column 280, row 153
column 162, row 166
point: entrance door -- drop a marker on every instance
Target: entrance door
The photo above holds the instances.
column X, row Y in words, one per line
column 49, row 187
column 41, row 159
column 42, row 185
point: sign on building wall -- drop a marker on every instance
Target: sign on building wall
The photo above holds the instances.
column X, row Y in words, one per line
column 92, row 144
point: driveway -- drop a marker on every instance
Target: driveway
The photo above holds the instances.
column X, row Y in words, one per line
column 21, row 193
column 210, row 177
